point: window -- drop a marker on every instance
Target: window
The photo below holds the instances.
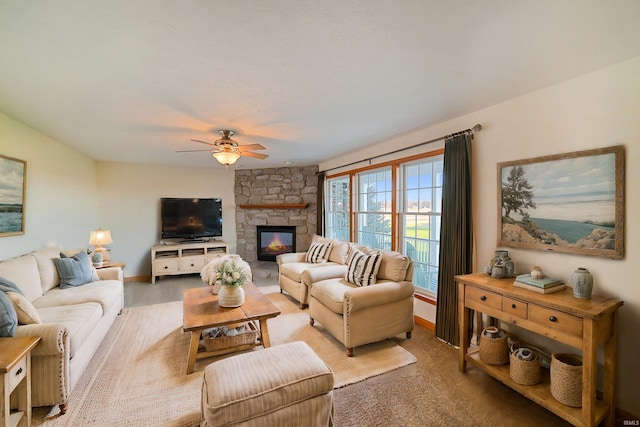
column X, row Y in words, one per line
column 374, row 208
column 338, row 208
column 395, row 206
column 420, row 215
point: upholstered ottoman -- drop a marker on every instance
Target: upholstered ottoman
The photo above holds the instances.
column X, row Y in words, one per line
column 284, row 385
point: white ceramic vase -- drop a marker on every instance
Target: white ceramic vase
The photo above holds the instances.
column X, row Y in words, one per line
column 230, row 296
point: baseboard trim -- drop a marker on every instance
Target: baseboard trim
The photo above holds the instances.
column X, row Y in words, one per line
column 424, row 323
column 137, row 279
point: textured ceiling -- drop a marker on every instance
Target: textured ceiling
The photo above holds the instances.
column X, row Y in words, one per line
column 134, row 81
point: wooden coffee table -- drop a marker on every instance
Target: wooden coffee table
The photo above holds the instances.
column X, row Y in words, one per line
column 201, row 311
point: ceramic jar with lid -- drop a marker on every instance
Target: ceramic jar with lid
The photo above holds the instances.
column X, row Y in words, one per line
column 582, row 283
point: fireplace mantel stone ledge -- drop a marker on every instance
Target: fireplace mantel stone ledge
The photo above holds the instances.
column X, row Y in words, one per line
column 274, row 206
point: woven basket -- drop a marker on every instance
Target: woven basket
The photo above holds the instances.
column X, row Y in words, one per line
column 525, row 372
column 494, row 351
column 566, row 379
column 224, row 342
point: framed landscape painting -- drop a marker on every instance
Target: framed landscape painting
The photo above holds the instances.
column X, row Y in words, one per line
column 571, row 202
column 12, row 195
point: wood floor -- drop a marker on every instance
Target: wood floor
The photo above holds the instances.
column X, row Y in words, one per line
column 171, row 288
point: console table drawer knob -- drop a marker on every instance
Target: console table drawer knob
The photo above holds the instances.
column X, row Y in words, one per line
column 19, row 371
column 483, row 298
column 553, row 318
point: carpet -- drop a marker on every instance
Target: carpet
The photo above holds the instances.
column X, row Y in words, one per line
column 137, row 377
column 368, row 361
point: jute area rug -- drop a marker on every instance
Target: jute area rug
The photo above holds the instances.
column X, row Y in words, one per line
column 137, row 377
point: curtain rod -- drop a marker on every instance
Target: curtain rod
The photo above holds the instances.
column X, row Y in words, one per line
column 476, row 128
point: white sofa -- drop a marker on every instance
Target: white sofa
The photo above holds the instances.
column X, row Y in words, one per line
column 74, row 321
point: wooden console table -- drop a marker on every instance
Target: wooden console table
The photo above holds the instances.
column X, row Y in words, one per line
column 583, row 324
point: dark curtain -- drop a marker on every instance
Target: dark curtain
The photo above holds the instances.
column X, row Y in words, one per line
column 456, row 234
column 320, row 213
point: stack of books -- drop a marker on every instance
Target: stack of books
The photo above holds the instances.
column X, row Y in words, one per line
column 542, row 286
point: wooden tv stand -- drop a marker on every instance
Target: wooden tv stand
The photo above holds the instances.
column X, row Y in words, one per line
column 184, row 258
column 583, row 324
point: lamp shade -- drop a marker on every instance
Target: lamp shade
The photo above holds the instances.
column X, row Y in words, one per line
column 227, row 157
column 100, row 237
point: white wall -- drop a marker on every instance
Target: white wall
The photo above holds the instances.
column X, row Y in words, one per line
column 61, row 203
column 596, row 110
column 129, row 201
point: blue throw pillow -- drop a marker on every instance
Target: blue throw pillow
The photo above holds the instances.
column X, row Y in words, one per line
column 8, row 317
column 9, row 286
column 74, row 271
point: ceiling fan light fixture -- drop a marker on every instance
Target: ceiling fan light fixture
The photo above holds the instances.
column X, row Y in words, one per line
column 226, row 157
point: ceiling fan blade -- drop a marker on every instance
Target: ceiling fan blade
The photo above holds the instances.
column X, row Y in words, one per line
column 252, row 147
column 204, row 142
column 190, row 151
column 251, row 154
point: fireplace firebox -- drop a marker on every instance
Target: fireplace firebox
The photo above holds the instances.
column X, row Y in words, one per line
column 275, row 240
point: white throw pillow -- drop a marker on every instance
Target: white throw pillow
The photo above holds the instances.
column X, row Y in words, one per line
column 318, row 252
column 27, row 313
column 362, row 268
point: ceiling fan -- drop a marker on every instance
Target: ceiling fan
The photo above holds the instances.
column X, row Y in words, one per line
column 226, row 151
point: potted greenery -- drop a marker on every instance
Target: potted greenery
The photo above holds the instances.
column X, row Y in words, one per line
column 231, row 277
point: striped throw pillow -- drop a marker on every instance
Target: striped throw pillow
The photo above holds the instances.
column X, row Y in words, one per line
column 362, row 269
column 318, row 252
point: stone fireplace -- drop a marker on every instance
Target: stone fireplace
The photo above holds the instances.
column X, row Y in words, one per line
column 277, row 197
column 274, row 240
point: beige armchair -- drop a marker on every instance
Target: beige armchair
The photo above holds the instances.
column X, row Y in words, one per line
column 357, row 315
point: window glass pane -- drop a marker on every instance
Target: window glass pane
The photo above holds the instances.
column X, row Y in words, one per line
column 435, row 226
column 437, row 206
column 437, row 173
column 426, row 177
column 338, row 208
column 373, row 219
column 411, row 200
column 420, row 219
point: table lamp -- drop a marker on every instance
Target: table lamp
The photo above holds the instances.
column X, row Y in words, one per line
column 98, row 238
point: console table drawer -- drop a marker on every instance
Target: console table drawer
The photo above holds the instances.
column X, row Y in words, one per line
column 192, row 264
column 17, row 373
column 477, row 296
column 212, row 256
column 556, row 320
column 166, row 266
column 515, row 307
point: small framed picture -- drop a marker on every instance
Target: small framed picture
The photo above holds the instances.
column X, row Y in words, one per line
column 13, row 174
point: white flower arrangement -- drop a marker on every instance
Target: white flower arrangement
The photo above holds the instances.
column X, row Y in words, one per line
column 230, row 274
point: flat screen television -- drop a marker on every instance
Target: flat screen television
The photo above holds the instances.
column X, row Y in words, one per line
column 191, row 219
